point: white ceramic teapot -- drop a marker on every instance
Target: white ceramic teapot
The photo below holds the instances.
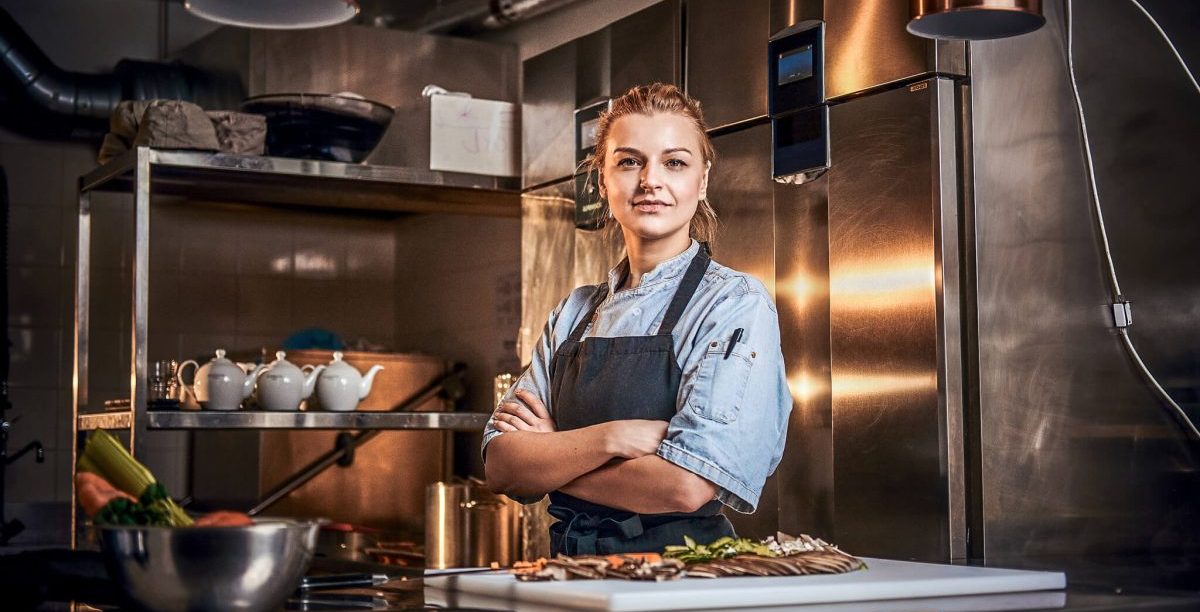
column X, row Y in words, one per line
column 341, row 386
column 282, row 385
column 219, row 384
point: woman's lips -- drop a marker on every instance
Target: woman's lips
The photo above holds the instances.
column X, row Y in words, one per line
column 650, row 206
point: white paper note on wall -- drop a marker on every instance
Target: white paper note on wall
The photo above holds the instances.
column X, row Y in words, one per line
column 475, row 136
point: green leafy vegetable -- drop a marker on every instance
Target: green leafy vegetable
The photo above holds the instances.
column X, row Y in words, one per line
column 105, row 456
column 721, row 548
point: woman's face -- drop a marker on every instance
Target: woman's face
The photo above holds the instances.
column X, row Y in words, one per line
column 654, row 175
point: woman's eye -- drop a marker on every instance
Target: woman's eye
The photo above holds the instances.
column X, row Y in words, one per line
column 676, row 163
column 628, row 161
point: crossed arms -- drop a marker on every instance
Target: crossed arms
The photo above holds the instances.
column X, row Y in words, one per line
column 611, row 463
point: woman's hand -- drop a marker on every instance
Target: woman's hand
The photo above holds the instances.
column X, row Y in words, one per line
column 633, row 438
column 528, row 414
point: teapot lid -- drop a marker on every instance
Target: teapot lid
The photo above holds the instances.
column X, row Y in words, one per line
column 220, row 355
column 279, row 357
column 338, row 366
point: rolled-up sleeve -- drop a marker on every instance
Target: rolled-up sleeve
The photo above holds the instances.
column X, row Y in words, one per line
column 733, row 405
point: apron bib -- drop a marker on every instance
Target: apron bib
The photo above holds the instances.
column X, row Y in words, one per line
column 609, row 379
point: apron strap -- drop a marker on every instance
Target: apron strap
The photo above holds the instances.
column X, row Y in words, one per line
column 687, row 287
column 577, row 333
column 683, row 295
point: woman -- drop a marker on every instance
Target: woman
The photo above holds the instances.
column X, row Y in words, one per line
column 654, row 398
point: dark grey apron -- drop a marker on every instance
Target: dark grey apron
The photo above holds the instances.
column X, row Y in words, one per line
column 631, row 377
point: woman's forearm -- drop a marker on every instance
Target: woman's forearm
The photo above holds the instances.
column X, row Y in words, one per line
column 646, row 485
column 534, row 463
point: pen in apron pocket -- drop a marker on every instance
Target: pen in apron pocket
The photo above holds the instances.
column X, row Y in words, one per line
column 737, row 335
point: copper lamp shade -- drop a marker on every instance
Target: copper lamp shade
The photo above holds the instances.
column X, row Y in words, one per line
column 275, row 14
column 974, row 19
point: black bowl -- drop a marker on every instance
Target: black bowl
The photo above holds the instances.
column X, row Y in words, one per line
column 319, row 126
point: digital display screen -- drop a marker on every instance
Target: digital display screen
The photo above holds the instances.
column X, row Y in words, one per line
column 795, row 65
column 587, row 134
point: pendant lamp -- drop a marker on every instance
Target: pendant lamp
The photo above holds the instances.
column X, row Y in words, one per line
column 974, row 19
column 275, row 14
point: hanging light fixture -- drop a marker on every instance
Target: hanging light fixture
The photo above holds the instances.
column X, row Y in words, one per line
column 275, row 14
column 974, row 19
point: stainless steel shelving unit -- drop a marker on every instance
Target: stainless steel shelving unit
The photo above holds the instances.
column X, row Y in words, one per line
column 257, row 181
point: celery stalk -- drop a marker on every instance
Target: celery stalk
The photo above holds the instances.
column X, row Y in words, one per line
column 104, row 455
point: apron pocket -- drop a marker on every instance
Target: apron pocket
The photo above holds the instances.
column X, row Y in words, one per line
column 720, row 383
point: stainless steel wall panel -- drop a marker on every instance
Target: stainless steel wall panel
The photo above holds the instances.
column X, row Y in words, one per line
column 1078, row 455
column 727, row 58
column 740, row 189
column 386, row 65
column 593, row 68
column 547, row 256
column 547, row 116
column 647, row 46
column 887, row 299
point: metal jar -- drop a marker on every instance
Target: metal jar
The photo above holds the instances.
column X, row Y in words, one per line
column 468, row 526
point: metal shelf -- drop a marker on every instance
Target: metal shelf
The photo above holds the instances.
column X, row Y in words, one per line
column 281, row 181
column 242, row 419
column 256, row 181
column 191, row 419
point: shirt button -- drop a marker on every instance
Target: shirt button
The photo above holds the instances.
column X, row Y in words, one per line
column 637, row 311
column 714, row 345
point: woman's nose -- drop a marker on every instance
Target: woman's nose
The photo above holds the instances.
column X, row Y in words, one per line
column 650, row 178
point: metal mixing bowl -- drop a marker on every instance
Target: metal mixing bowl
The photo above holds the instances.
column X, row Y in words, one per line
column 209, row 568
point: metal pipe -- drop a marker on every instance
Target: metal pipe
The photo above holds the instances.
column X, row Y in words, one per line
column 87, row 100
column 466, row 16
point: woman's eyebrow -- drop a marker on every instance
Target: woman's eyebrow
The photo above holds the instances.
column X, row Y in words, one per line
column 633, row 151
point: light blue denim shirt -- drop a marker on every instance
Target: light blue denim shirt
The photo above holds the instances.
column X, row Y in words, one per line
column 732, row 413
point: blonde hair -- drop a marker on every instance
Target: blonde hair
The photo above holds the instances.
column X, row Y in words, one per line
column 648, row 100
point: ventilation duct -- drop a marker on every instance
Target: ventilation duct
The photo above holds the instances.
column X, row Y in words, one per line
column 466, row 17
column 41, row 100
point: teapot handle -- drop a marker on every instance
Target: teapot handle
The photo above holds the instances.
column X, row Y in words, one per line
column 186, row 388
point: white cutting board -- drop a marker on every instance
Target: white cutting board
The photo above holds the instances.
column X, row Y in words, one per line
column 883, row 579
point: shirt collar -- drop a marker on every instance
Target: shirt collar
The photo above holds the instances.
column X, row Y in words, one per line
column 668, row 269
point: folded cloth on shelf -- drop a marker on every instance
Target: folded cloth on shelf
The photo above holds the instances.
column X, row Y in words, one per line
column 177, row 124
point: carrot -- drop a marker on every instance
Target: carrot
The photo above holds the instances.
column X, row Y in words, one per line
column 94, row 492
column 645, row 557
column 224, row 518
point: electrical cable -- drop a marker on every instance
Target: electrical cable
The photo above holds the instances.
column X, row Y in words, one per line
column 1161, row 32
column 1094, row 193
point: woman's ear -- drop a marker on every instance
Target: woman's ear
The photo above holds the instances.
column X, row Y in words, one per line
column 704, row 181
column 600, row 185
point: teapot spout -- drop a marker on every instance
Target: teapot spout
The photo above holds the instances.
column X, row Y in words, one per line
column 364, row 387
column 251, row 378
column 310, row 381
